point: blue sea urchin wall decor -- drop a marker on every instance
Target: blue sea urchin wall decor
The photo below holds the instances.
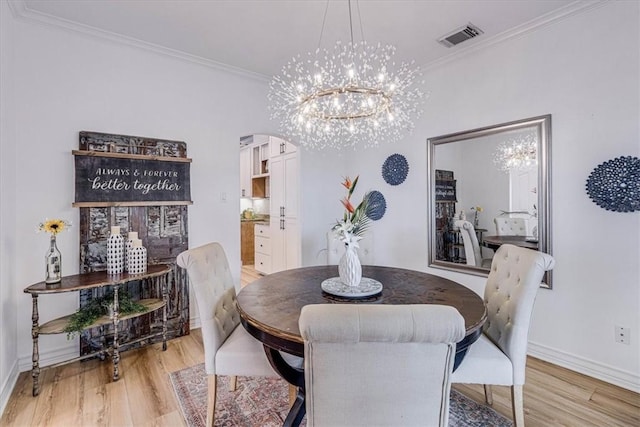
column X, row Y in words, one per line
column 615, row 184
column 377, row 205
column 395, row 169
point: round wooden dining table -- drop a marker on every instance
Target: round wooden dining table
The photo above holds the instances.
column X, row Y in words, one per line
column 494, row 242
column 270, row 308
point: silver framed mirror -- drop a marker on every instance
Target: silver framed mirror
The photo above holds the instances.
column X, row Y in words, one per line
column 487, row 187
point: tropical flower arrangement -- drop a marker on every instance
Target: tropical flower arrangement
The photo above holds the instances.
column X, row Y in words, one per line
column 355, row 220
column 53, row 226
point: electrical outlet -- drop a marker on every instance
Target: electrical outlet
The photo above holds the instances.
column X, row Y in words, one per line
column 623, row 335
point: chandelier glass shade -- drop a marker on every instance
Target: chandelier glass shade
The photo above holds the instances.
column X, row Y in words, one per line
column 519, row 153
column 351, row 96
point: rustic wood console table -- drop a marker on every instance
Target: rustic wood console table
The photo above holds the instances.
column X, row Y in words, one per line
column 156, row 273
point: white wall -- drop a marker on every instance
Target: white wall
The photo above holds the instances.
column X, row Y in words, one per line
column 477, row 184
column 66, row 82
column 8, row 317
column 585, row 72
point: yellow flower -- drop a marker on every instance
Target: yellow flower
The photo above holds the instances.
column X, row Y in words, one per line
column 53, row 226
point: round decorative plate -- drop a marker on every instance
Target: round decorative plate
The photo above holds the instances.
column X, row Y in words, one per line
column 615, row 184
column 366, row 288
column 377, row 205
column 395, row 169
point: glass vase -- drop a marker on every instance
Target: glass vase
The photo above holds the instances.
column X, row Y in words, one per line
column 349, row 268
column 53, row 263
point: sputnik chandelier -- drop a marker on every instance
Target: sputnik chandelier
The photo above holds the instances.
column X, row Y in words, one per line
column 519, row 153
column 353, row 96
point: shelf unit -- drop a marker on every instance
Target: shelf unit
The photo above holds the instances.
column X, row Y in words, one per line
column 156, row 274
column 445, row 208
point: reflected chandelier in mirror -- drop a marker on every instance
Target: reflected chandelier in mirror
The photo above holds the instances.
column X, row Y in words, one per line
column 488, row 187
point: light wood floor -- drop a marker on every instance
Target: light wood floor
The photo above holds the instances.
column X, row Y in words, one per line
column 82, row 393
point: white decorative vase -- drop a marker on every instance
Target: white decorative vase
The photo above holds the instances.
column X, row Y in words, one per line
column 349, row 268
column 131, row 236
column 115, row 252
column 137, row 258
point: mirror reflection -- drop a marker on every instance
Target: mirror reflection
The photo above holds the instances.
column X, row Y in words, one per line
column 488, row 187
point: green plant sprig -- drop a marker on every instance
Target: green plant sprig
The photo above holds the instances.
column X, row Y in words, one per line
column 98, row 307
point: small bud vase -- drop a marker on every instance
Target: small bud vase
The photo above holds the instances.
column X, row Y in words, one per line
column 53, row 263
column 115, row 252
column 349, row 268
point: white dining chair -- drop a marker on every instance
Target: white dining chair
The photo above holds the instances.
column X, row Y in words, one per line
column 379, row 365
column 228, row 347
column 499, row 356
column 472, row 249
column 512, row 226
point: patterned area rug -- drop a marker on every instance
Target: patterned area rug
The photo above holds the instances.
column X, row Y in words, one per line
column 264, row 402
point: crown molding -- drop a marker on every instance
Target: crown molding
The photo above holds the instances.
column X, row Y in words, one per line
column 572, row 9
column 21, row 11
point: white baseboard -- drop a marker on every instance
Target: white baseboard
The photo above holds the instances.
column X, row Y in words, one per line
column 25, row 363
column 606, row 373
column 194, row 323
column 50, row 357
column 8, row 386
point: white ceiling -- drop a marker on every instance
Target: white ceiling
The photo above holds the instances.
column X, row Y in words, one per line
column 260, row 36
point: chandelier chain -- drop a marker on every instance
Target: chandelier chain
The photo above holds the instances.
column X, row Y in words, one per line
column 350, row 24
column 360, row 20
column 324, row 19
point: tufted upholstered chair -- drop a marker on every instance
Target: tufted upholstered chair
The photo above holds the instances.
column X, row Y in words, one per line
column 499, row 356
column 506, row 226
column 228, row 348
column 383, row 365
column 472, row 251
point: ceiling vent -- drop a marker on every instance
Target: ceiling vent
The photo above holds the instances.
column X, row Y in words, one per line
column 459, row 35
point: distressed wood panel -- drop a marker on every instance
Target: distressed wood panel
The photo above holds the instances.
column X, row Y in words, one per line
column 163, row 230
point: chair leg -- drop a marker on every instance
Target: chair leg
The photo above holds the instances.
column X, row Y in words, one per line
column 517, row 404
column 211, row 403
column 233, row 383
column 488, row 394
column 293, row 393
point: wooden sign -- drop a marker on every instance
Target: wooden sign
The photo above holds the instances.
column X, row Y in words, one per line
column 446, row 191
column 116, row 179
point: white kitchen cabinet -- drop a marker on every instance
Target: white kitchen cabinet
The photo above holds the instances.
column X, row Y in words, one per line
column 262, row 248
column 279, row 146
column 245, row 172
column 260, row 159
column 285, row 229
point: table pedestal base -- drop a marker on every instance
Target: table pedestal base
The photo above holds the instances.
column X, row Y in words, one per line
column 293, row 376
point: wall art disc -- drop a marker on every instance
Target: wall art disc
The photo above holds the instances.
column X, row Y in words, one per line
column 377, row 205
column 615, row 184
column 395, row 169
